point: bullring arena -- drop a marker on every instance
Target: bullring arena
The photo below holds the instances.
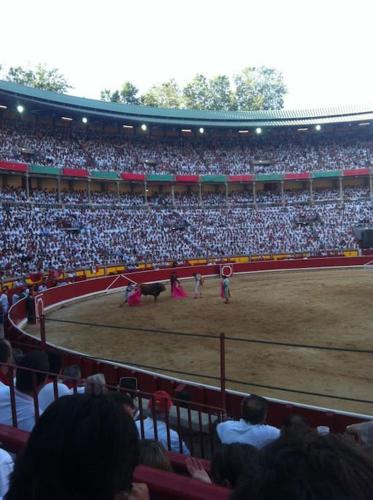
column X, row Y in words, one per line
column 325, row 308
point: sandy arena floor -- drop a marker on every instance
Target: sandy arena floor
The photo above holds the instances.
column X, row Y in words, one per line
column 328, row 308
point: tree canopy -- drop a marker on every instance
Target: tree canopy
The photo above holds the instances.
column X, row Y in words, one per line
column 39, row 77
column 126, row 95
column 251, row 89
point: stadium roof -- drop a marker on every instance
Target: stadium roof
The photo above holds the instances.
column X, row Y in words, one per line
column 62, row 103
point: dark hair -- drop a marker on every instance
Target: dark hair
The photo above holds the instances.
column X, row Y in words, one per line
column 121, row 398
column 82, row 448
column 230, row 461
column 27, row 380
column 73, row 371
column 55, row 362
column 313, row 468
column 254, row 409
column 5, row 351
column 153, row 454
column 295, row 425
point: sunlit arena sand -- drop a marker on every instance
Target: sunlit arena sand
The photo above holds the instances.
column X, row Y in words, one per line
column 326, row 308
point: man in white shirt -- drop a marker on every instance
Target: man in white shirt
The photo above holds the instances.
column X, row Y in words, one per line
column 4, row 300
column 162, row 405
column 47, row 393
column 6, row 468
column 251, row 428
column 24, row 391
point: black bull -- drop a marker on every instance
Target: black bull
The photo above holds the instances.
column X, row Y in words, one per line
column 152, row 289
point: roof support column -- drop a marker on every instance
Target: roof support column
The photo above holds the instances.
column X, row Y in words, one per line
column 173, row 195
column 311, row 191
column 371, row 186
column 226, row 194
column 200, row 193
column 254, row 192
column 118, row 193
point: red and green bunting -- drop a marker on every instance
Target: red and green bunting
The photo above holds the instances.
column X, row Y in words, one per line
column 20, row 167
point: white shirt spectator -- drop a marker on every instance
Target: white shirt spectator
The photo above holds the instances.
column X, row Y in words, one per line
column 4, row 302
column 162, row 435
column 25, row 409
column 240, row 431
column 46, row 394
column 6, row 468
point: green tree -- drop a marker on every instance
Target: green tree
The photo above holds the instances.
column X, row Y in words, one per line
column 165, row 95
column 126, row 95
column 221, row 96
column 196, row 93
column 39, row 77
column 259, row 88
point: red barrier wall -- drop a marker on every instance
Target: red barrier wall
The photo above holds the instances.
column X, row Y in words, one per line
column 148, row 382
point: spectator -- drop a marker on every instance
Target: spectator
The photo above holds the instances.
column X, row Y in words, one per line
column 153, row 454
column 2, row 331
column 53, row 388
column 28, row 385
column 83, row 447
column 6, row 356
column 4, row 300
column 95, row 384
column 312, row 467
column 72, row 376
column 295, row 425
column 126, row 401
column 364, row 434
column 228, row 464
column 251, row 428
column 160, row 405
column 6, row 468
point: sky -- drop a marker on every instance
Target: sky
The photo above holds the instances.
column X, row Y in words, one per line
column 323, row 48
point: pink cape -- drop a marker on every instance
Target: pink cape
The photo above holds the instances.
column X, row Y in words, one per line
column 178, row 292
column 222, row 291
column 135, row 298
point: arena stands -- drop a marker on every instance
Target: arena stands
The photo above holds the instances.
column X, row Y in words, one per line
column 175, row 156
column 39, row 238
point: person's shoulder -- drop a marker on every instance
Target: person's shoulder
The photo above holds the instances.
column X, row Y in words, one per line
column 4, row 390
column 271, row 429
column 5, row 456
column 227, row 424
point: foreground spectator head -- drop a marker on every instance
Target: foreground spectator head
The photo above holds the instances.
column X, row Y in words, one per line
column 28, row 381
column 254, row 409
column 153, row 454
column 161, row 401
column 230, row 461
column 82, row 447
column 313, row 468
column 95, row 384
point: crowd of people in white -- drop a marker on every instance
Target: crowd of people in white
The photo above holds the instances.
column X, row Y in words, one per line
column 43, row 237
column 181, row 155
